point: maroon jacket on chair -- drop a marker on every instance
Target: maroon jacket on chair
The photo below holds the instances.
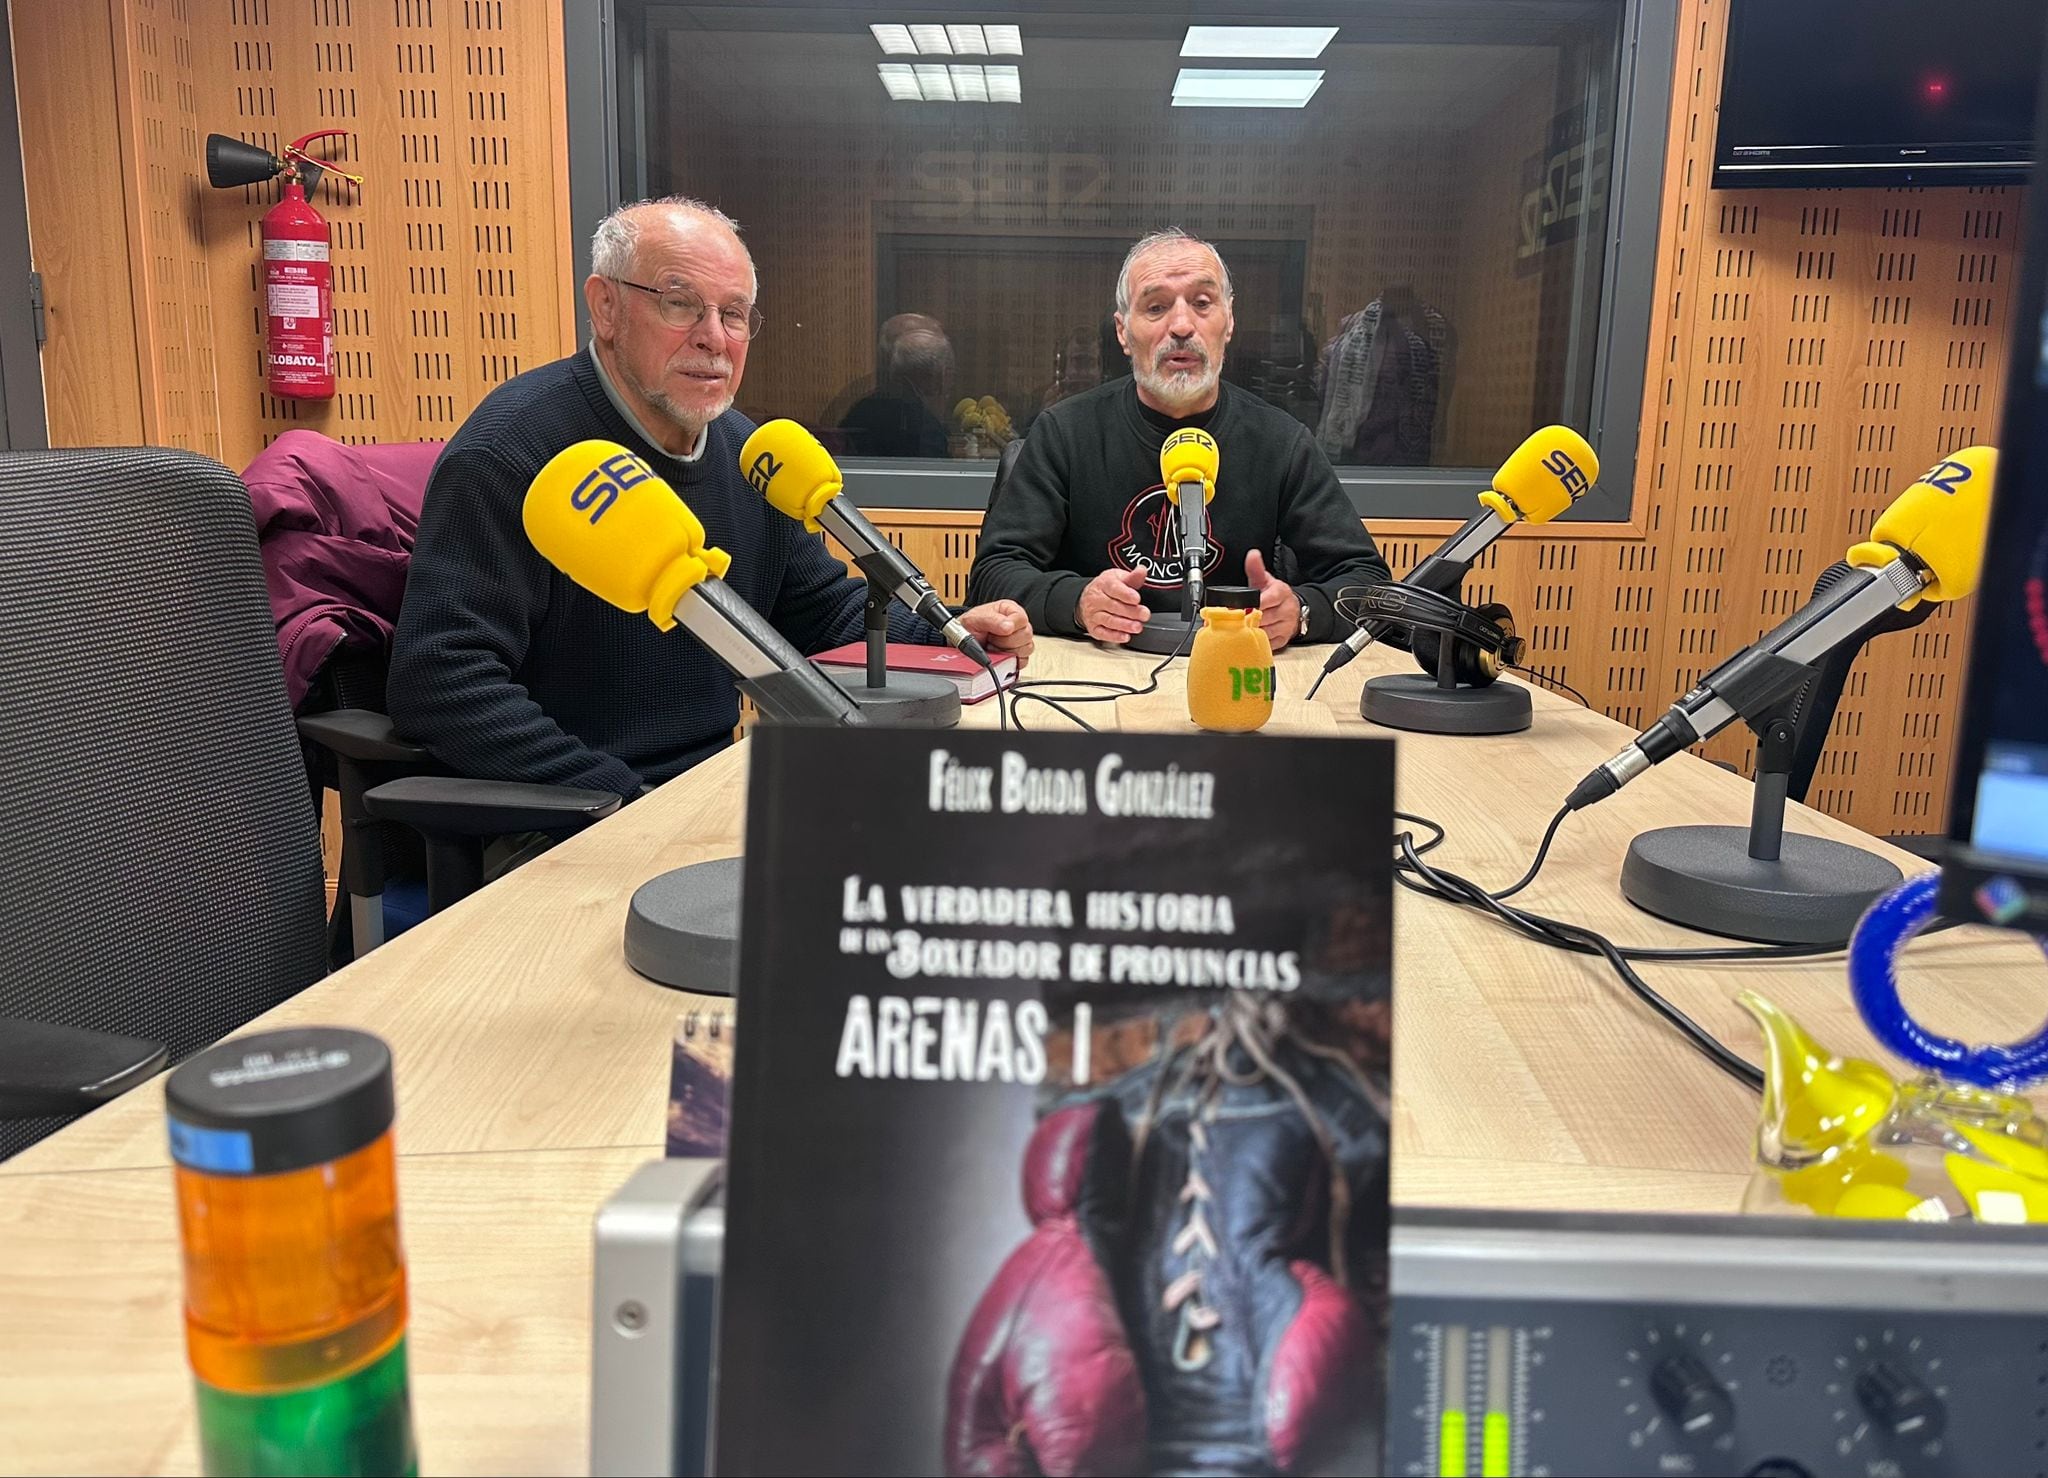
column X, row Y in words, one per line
column 335, row 524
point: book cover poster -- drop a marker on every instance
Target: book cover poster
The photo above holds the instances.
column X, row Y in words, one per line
column 1061, row 1115
column 700, row 1082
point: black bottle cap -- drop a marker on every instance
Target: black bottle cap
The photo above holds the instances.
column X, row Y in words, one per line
column 280, row 1100
column 1231, row 597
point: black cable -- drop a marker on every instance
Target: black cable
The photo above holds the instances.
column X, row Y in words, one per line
column 1713, row 953
column 1552, row 682
column 1542, row 852
column 1433, row 842
column 1057, row 705
column 1112, row 691
column 1579, row 940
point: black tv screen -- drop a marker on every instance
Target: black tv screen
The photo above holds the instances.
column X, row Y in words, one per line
column 1879, row 92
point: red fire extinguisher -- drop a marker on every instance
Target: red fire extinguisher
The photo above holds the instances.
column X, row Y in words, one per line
column 298, row 281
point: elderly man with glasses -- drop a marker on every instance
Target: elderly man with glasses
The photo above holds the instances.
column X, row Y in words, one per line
column 503, row 667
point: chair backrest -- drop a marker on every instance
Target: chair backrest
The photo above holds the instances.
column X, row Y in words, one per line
column 1005, row 464
column 159, row 848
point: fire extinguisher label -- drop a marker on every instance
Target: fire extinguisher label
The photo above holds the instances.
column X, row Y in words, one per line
column 294, row 300
column 275, row 250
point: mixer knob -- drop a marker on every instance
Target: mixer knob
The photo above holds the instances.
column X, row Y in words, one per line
column 1697, row 1404
column 1901, row 1406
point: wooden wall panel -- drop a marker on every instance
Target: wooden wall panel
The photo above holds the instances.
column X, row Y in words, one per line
column 451, row 260
column 72, row 164
column 158, row 94
column 451, row 263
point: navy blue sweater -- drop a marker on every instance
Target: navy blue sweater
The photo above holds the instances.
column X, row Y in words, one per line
column 507, row 670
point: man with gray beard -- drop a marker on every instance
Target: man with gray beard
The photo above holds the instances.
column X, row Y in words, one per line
column 503, row 666
column 1084, row 537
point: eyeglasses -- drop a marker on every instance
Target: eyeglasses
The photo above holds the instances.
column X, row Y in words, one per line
column 681, row 308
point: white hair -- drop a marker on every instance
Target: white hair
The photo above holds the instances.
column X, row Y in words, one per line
column 1161, row 238
column 613, row 242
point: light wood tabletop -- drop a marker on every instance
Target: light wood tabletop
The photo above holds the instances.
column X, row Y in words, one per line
column 532, row 1076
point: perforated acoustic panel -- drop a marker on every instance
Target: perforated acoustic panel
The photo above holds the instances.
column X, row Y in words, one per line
column 1812, row 352
column 451, row 262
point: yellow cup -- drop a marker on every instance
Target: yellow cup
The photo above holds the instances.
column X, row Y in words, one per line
column 1231, row 677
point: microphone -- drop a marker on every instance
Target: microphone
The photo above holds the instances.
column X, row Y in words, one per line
column 1187, row 464
column 1928, row 545
column 602, row 517
column 792, row 470
column 1543, row 477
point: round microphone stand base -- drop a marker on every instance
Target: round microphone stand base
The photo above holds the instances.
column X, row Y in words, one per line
column 1703, row 877
column 910, row 700
column 1163, row 636
column 1414, row 701
column 683, row 928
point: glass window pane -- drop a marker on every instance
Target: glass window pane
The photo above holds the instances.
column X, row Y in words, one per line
column 1411, row 201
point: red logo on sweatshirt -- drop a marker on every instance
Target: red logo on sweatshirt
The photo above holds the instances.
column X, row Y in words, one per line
column 1150, row 541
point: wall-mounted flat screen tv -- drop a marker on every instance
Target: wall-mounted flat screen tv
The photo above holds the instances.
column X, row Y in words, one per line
column 1879, row 92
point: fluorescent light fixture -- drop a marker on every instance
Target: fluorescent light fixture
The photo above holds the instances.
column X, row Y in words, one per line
column 934, row 83
column 969, row 85
column 1004, row 40
column 967, row 40
column 1003, row 85
column 931, row 40
column 1288, row 41
column 895, row 40
column 1213, row 87
column 900, row 81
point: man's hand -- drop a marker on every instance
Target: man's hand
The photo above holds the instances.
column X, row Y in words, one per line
column 1279, row 606
column 1000, row 626
column 1110, row 609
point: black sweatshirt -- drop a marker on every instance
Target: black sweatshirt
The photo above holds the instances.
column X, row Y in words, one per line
column 507, row 670
column 1085, row 496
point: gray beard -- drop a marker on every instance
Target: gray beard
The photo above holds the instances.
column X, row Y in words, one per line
column 1178, row 389
column 684, row 421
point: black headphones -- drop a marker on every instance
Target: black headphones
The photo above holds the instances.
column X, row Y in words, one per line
column 1483, row 640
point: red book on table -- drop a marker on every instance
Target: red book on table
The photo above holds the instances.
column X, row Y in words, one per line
column 972, row 679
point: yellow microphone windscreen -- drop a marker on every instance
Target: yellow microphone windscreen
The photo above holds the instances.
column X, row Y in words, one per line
column 1546, row 475
column 1189, row 455
column 602, row 517
column 791, row 469
column 1941, row 521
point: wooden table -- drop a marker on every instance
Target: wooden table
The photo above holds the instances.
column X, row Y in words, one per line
column 532, row 1076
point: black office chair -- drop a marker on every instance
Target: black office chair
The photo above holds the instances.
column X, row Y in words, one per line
column 161, row 857
column 386, row 785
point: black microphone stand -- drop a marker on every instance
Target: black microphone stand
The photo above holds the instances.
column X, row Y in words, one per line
column 902, row 700
column 1762, row 882
column 683, row 926
column 1163, row 635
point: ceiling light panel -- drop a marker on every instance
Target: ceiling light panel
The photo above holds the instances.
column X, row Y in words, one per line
column 894, row 40
column 1003, row 85
column 899, row 81
column 967, row 40
column 969, row 85
column 931, row 40
column 1004, row 40
column 1230, row 87
column 1295, row 42
column 935, row 83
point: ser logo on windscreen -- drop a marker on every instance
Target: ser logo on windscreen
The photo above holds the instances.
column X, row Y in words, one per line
column 765, row 469
column 1570, row 476
column 1947, row 476
column 601, row 487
